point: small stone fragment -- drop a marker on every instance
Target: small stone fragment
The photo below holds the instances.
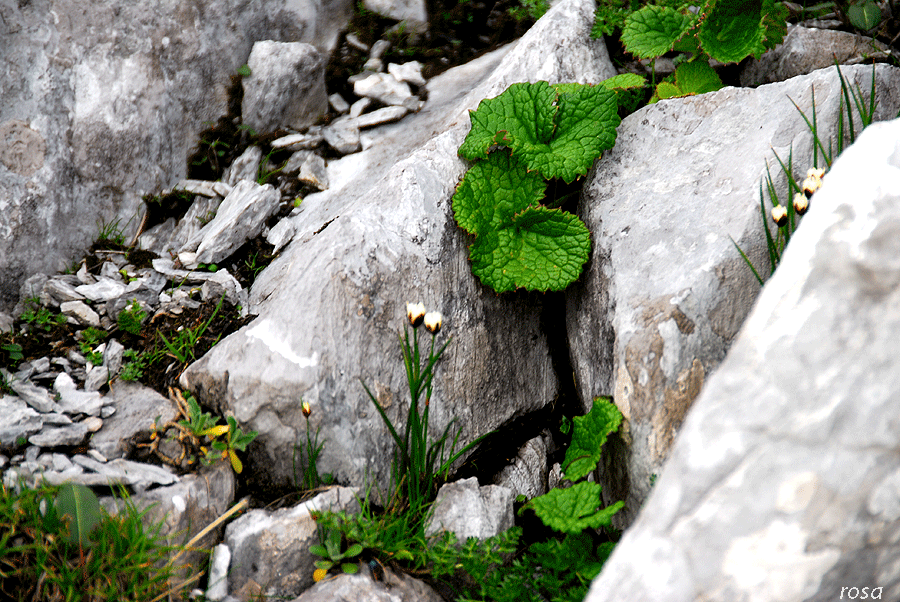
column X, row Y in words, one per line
column 101, row 291
column 343, row 137
column 81, row 312
column 383, row 88
column 36, row 397
column 407, row 72
column 359, row 107
column 314, row 171
column 196, row 187
column 379, row 117
column 299, row 141
column 72, row 434
column 338, row 103
column 74, row 401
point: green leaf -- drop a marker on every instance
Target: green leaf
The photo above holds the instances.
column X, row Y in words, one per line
column 521, row 114
column 494, row 190
column 350, row 568
column 774, row 24
column 354, row 550
column 865, row 15
column 731, row 31
column 697, row 77
column 543, row 249
column 668, row 90
column 574, row 509
column 624, row 81
column 83, row 509
column 319, row 550
column 653, row 30
column 589, row 436
column 557, row 131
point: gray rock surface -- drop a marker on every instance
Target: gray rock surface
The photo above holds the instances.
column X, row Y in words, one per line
column 137, row 407
column 665, row 291
column 783, row 483
column 270, row 550
column 468, row 510
column 19, row 421
column 331, row 306
column 362, row 587
column 93, row 90
column 286, row 87
column 413, row 12
column 528, row 473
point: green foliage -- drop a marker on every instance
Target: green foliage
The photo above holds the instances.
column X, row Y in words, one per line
column 131, row 318
column 181, row 347
column 529, row 9
column 39, row 316
column 419, row 465
column 865, row 15
column 111, row 233
column 311, row 477
column 574, row 509
column 547, row 132
column 588, row 438
column 335, row 554
column 91, row 338
column 244, row 70
column 134, row 366
column 725, row 30
column 234, row 440
column 13, row 351
column 845, row 134
column 224, row 440
column 57, row 543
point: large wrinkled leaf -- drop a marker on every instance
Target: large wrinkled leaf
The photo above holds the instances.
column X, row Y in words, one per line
column 574, row 509
column 590, row 433
column 731, row 31
column 556, row 130
column 653, row 30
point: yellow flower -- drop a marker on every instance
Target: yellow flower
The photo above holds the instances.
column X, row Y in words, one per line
column 306, row 409
column 414, row 313
column 319, row 574
column 433, row 322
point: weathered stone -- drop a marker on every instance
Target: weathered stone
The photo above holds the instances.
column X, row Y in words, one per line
column 80, row 312
column 359, row 107
column 245, row 167
column 172, row 236
column 201, row 187
column 331, row 305
column 413, row 12
column 299, row 141
column 57, row 291
column 102, row 103
column 338, row 103
column 96, row 377
column 783, row 483
column 314, row 172
column 37, row 397
column 125, row 472
column 286, row 87
column 112, row 356
column 271, row 549
column 407, row 72
column 70, row 434
column 241, row 217
column 342, row 136
column 102, row 290
column 805, row 50
column 468, row 510
column 362, row 587
column 527, row 475
column 383, row 88
column 137, row 407
column 19, row 422
column 380, row 116
column 665, row 291
column 379, row 48
column 74, row 401
column 218, row 573
column 220, row 284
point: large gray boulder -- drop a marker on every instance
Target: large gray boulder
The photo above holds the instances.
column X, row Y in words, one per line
column 666, row 291
column 784, row 481
column 102, row 102
column 331, row 306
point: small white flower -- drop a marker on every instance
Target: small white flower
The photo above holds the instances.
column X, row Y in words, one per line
column 801, row 203
column 433, row 322
column 779, row 215
column 414, row 313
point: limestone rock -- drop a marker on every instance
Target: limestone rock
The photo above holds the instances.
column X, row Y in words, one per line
column 271, row 549
column 783, row 482
column 665, row 291
column 384, row 88
column 331, row 305
column 245, row 167
column 362, row 587
column 19, row 422
column 528, row 473
column 286, row 87
column 137, row 407
column 104, row 104
column 806, row 49
column 472, row 511
column 414, row 12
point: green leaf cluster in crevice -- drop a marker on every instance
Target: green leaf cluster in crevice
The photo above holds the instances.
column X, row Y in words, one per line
column 529, row 134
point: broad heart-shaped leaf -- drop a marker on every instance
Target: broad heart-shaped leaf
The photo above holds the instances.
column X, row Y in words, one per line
column 493, row 191
column 697, row 77
column 731, row 31
column 522, row 114
column 585, row 127
column 574, row 509
column 542, row 249
column 589, row 436
column 653, row 30
column 556, row 130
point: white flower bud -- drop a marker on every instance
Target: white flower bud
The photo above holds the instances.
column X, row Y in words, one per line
column 414, row 313
column 433, row 322
column 779, row 214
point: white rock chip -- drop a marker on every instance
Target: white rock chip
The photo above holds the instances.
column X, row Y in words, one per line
column 383, row 88
column 81, row 312
column 407, row 72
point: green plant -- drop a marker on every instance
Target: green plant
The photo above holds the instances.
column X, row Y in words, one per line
column 57, row 543
column 529, row 9
column 13, row 351
column 330, row 550
column 131, row 318
column 233, row 441
column 134, row 366
column 244, row 70
column 39, row 316
column 785, row 214
column 91, row 338
column 311, row 478
column 544, row 132
column 264, row 173
column 181, row 347
column 418, row 465
column 725, row 30
column 111, row 233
